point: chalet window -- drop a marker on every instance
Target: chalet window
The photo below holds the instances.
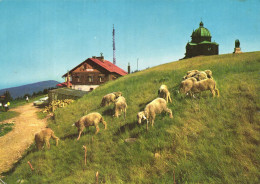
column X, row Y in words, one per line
column 90, row 78
column 101, row 77
column 77, row 78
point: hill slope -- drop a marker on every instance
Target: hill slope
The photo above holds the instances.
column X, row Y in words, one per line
column 30, row 88
column 207, row 141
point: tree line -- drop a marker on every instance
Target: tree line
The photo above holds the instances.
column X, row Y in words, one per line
column 6, row 97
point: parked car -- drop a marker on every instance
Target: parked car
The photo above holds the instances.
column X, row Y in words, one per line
column 41, row 102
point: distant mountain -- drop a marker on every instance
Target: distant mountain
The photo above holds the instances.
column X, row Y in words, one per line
column 29, row 88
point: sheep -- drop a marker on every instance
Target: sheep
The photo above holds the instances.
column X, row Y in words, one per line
column 164, row 93
column 204, row 85
column 157, row 106
column 110, row 98
column 120, row 106
column 209, row 74
column 186, row 85
column 200, row 76
column 190, row 74
column 92, row 119
column 43, row 137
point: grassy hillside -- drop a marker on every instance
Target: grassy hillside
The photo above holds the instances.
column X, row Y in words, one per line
column 207, row 141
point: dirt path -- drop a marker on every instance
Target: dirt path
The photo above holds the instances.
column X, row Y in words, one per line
column 14, row 143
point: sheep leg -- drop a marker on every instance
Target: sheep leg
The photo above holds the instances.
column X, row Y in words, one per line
column 147, row 124
column 55, row 138
column 47, row 142
column 125, row 113
column 80, row 131
column 97, row 129
column 39, row 144
column 213, row 92
column 152, row 120
column 170, row 98
column 217, row 91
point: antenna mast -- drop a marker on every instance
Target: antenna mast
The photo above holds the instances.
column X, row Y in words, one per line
column 114, row 47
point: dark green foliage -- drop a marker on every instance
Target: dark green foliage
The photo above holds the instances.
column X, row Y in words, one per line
column 207, row 141
column 8, row 96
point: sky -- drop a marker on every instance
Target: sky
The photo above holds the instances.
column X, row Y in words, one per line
column 43, row 39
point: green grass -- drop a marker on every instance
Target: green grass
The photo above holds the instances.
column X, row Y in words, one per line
column 207, row 141
column 7, row 115
column 5, row 128
column 41, row 115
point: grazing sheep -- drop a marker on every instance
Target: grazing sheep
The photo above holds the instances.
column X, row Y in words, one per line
column 110, row 98
column 92, row 119
column 44, row 137
column 209, row 74
column 157, row 106
column 186, row 85
column 164, row 93
column 190, row 74
column 120, row 106
column 200, row 76
column 204, row 85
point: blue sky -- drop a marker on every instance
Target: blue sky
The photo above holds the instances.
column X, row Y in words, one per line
column 42, row 39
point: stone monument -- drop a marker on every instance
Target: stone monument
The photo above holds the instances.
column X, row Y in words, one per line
column 237, row 49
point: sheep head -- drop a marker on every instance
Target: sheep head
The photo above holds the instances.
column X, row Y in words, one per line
column 76, row 124
column 141, row 116
column 117, row 94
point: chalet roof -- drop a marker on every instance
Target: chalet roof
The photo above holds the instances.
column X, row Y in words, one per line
column 63, row 84
column 104, row 64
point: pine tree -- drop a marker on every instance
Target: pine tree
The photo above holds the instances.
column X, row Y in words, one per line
column 8, row 96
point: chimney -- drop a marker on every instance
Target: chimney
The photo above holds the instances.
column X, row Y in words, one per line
column 129, row 68
column 101, row 58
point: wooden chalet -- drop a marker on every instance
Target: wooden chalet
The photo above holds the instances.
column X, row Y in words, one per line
column 92, row 72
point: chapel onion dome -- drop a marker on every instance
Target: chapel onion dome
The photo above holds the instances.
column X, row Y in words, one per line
column 201, row 34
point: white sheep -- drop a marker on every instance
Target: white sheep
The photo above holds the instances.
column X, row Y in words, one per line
column 190, row 74
column 110, row 98
column 186, row 85
column 43, row 137
column 209, row 74
column 164, row 93
column 157, row 106
column 120, row 106
column 204, row 85
column 92, row 119
column 199, row 75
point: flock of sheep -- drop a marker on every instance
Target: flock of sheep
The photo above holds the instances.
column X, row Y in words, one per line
column 194, row 82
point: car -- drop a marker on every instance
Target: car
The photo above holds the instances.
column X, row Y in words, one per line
column 41, row 102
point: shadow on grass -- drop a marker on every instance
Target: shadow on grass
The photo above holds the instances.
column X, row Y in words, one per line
column 108, row 112
column 142, row 105
column 71, row 136
column 123, row 128
column 86, row 131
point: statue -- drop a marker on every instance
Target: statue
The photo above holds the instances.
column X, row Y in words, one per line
column 237, row 44
column 237, row 49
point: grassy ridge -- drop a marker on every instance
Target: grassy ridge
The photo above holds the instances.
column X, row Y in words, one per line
column 208, row 140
